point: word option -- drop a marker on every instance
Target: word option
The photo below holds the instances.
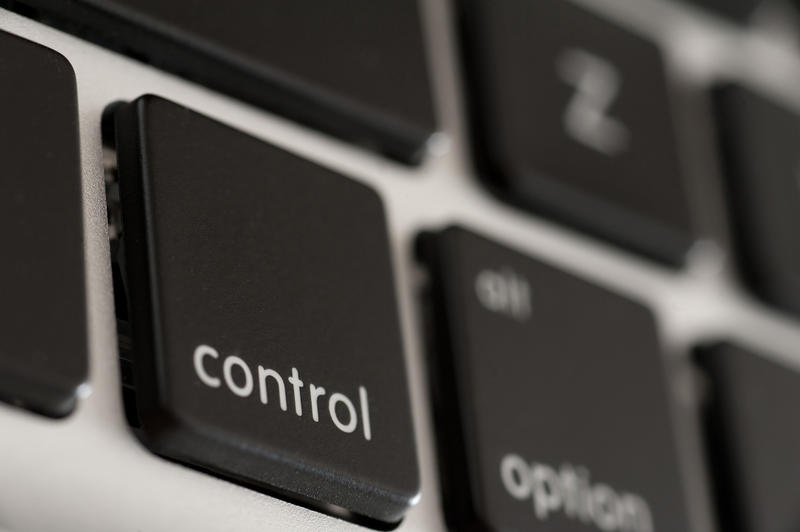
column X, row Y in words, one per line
column 569, row 490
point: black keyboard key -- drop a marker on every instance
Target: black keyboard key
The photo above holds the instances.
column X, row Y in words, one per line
column 572, row 118
column 762, row 167
column 355, row 69
column 552, row 408
column 43, row 345
column 265, row 336
column 753, row 439
column 738, row 10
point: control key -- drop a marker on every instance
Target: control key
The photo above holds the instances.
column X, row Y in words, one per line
column 260, row 297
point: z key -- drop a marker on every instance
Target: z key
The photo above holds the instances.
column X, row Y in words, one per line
column 573, row 120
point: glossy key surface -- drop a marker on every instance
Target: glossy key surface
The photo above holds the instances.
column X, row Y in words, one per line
column 43, row 345
column 762, row 173
column 551, row 402
column 572, row 118
column 356, row 69
column 260, row 300
column 753, row 438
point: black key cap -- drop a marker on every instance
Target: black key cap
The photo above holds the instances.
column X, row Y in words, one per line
column 43, row 345
column 738, row 10
column 572, row 119
column 762, row 166
column 753, row 439
column 266, row 345
column 355, row 69
column 552, row 409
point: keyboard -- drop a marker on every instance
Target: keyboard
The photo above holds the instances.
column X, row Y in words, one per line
column 406, row 265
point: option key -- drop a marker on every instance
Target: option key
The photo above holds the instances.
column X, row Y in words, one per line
column 552, row 408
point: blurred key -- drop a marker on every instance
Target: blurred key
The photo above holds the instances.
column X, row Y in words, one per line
column 753, row 439
column 551, row 405
column 762, row 171
column 356, row 69
column 260, row 298
column 43, row 345
column 738, row 10
column 572, row 118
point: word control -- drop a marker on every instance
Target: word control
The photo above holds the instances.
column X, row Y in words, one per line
column 249, row 356
column 245, row 386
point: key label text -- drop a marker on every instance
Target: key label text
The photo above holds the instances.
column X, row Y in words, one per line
column 597, row 84
column 242, row 381
column 505, row 292
column 569, row 491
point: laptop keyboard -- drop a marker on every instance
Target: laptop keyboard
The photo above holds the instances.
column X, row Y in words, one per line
column 466, row 265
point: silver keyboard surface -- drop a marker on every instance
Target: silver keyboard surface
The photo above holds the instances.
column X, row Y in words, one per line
column 88, row 473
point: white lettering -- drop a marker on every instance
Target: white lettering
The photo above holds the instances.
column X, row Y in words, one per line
column 514, row 472
column 296, row 383
column 504, row 292
column 200, row 352
column 239, row 380
column 635, row 514
column 362, row 396
column 316, row 393
column 227, row 372
column 604, row 503
column 597, row 84
column 546, row 492
column 335, row 399
column 263, row 373
column 570, row 491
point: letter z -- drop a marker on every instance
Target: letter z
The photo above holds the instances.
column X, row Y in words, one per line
column 597, row 85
